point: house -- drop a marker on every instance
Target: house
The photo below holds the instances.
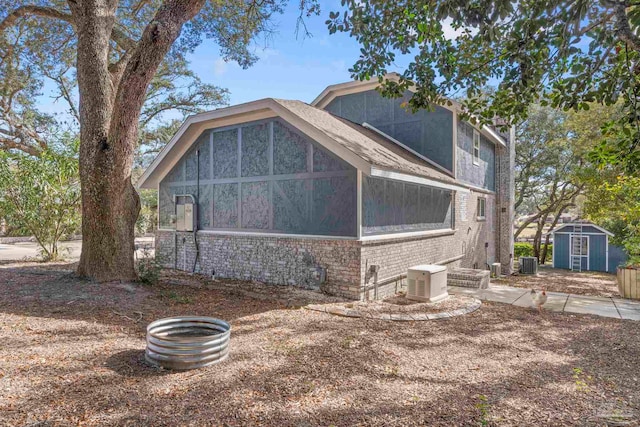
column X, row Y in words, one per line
column 584, row 246
column 341, row 195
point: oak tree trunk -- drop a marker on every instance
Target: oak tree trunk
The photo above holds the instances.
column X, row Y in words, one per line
column 109, row 202
column 110, row 108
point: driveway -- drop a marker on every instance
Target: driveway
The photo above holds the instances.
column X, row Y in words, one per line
column 26, row 251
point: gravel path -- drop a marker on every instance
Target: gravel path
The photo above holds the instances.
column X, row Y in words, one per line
column 72, row 354
column 556, row 280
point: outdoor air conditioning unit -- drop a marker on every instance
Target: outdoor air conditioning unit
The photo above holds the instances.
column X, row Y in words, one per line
column 427, row 283
column 528, row 265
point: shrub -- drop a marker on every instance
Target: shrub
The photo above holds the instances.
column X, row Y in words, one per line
column 145, row 221
column 526, row 249
column 41, row 196
column 148, row 269
column 521, row 249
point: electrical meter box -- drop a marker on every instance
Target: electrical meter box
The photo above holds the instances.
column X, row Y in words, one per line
column 185, row 214
column 188, row 217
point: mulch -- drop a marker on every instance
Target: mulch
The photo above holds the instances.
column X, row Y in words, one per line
column 72, row 353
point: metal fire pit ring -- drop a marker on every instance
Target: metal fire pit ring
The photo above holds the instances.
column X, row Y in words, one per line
column 187, row 342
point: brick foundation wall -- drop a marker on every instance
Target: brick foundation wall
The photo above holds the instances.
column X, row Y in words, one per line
column 281, row 261
column 343, row 264
column 463, row 248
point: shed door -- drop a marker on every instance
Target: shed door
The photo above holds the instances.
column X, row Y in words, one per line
column 579, row 255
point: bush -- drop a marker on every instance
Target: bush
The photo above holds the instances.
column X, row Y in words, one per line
column 40, row 196
column 148, row 269
column 145, row 221
column 521, row 249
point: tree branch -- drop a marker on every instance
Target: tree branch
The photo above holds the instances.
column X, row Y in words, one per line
column 45, row 12
column 117, row 35
column 156, row 40
column 624, row 31
column 8, row 144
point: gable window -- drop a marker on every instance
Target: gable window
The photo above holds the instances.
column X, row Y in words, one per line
column 481, row 208
column 476, row 147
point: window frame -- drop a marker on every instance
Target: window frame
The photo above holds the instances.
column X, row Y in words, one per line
column 481, row 208
column 583, row 247
column 476, row 148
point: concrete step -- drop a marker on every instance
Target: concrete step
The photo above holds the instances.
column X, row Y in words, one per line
column 468, row 278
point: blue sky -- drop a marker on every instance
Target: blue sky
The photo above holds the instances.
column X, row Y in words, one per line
column 289, row 67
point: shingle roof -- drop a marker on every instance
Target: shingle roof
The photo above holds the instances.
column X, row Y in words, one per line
column 349, row 140
column 371, row 146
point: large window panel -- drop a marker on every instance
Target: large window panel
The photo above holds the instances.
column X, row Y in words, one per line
column 412, row 204
column 373, row 200
column 289, row 151
column 203, row 144
column 255, row 205
column 430, row 133
column 332, row 208
column 243, row 191
column 225, row 154
column 427, row 204
column 394, row 206
column 255, row 150
column 442, row 205
column 290, row 206
column 225, row 205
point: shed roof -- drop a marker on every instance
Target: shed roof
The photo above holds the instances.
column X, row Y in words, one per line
column 583, row 224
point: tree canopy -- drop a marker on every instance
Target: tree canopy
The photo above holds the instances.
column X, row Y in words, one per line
column 126, row 59
column 566, row 54
column 37, row 45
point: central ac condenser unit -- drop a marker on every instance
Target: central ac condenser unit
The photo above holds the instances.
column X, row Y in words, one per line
column 528, row 265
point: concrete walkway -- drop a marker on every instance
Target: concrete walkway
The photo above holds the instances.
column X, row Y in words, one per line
column 617, row 308
column 70, row 250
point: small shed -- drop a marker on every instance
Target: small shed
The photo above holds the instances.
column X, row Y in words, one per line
column 583, row 246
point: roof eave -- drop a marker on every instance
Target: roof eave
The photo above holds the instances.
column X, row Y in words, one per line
column 571, row 224
column 145, row 180
column 151, row 177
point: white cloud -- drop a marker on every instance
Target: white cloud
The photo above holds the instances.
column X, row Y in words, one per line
column 449, row 32
column 267, row 53
column 219, row 67
column 339, row 66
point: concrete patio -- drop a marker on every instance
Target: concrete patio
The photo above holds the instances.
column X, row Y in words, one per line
column 617, row 308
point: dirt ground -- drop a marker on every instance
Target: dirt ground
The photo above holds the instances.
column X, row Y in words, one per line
column 555, row 280
column 72, row 354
